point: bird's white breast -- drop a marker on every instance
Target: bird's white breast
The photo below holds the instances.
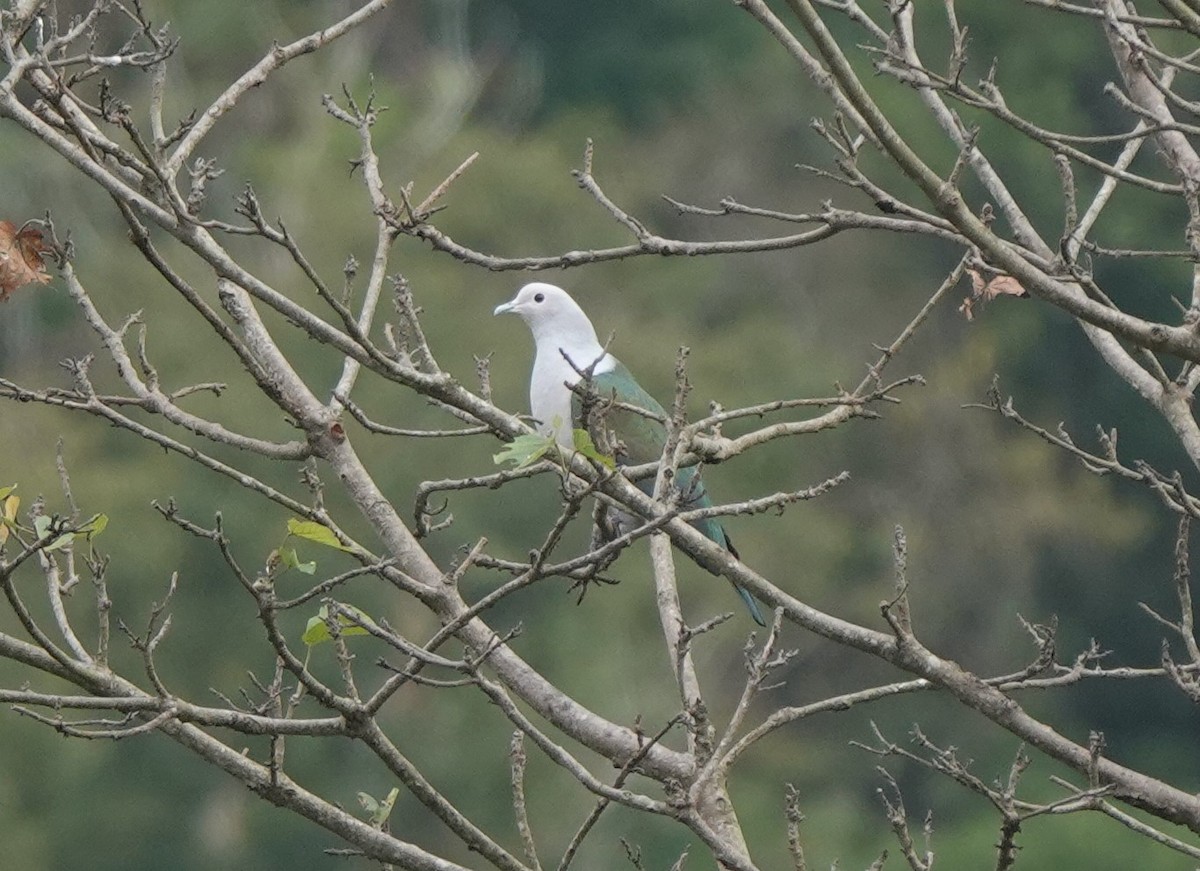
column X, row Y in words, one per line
column 550, row 389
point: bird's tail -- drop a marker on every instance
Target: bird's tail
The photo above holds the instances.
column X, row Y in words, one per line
column 752, row 605
column 755, row 612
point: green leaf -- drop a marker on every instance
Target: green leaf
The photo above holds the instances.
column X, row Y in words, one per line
column 41, row 525
column 287, row 556
column 310, row 530
column 587, row 447
column 317, row 632
column 60, row 542
column 4, row 491
column 523, row 450
column 95, row 526
column 369, row 804
column 379, row 811
column 8, row 513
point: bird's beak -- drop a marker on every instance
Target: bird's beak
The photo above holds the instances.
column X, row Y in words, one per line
column 505, row 308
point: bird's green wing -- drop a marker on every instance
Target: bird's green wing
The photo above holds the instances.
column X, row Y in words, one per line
column 605, row 410
column 609, row 404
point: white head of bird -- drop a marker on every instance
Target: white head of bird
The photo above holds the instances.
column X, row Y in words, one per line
column 561, row 331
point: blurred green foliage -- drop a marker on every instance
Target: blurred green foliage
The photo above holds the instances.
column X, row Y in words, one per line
column 690, row 100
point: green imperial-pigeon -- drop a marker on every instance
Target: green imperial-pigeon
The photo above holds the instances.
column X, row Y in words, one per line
column 561, row 331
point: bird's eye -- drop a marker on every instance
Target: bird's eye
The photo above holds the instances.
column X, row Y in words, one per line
column 539, row 297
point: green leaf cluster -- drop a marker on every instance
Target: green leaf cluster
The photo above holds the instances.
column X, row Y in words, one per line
column 316, row 631
column 527, row 449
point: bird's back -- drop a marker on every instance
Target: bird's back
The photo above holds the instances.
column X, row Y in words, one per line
column 632, row 437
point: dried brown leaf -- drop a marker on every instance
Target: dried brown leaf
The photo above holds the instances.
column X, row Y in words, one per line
column 21, row 260
column 985, row 290
column 1004, row 285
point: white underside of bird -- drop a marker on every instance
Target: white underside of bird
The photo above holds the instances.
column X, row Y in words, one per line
column 550, row 391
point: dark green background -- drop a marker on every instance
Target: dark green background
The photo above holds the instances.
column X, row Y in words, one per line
column 695, row 101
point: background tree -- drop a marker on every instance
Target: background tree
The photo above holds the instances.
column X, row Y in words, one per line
column 321, row 631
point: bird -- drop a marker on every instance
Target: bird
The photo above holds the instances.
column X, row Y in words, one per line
column 566, row 349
